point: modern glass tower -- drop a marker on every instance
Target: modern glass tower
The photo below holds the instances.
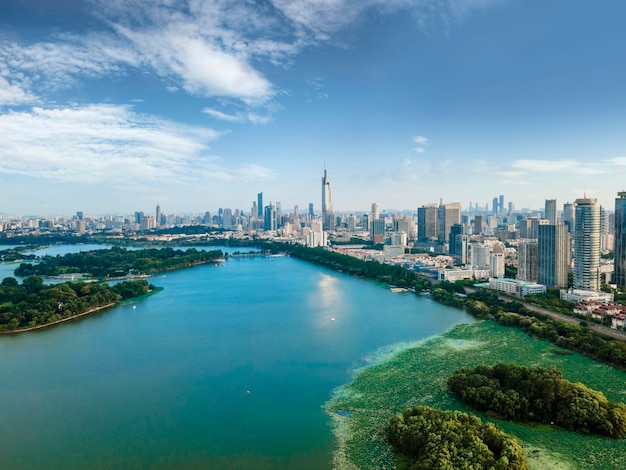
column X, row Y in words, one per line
column 259, row 205
column 587, row 245
column 553, row 255
column 427, row 222
column 620, row 239
column 327, row 205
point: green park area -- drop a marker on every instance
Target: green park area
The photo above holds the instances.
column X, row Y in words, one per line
column 418, row 375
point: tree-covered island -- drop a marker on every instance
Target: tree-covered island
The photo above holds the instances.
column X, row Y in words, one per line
column 427, row 439
column 32, row 304
column 118, row 262
column 535, row 394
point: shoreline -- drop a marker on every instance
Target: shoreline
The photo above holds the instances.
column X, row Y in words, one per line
column 56, row 322
column 156, row 290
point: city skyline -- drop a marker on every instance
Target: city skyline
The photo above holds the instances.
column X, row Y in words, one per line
column 110, row 108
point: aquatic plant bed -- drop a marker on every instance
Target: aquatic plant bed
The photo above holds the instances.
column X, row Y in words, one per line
column 417, row 375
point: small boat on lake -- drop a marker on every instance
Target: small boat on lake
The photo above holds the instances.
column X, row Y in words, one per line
column 398, row 289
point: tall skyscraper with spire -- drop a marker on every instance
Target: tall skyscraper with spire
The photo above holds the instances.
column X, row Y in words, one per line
column 327, row 206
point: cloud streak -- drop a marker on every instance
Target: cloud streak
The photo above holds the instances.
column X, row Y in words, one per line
column 209, row 48
column 557, row 167
column 109, row 144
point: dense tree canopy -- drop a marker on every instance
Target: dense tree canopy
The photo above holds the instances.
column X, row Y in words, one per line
column 34, row 304
column 118, row 262
column 389, row 274
column 535, row 394
column 434, row 439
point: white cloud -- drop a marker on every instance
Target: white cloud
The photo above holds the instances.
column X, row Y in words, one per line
column 420, row 149
column 320, row 19
column 557, row 167
column 60, row 63
column 105, row 144
column 421, row 140
column 210, row 48
column 12, row 95
column 223, row 116
column 203, row 67
column 619, row 161
column 256, row 119
column 237, row 117
column 251, row 172
column 511, row 175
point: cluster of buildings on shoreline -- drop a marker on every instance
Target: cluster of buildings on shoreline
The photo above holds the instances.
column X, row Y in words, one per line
column 550, row 248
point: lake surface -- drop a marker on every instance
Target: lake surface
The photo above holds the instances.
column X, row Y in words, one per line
column 228, row 367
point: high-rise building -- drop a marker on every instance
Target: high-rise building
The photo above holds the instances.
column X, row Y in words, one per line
column 460, row 249
column 456, row 229
column 227, row 218
column 550, row 211
column 447, row 216
column 496, row 265
column 311, row 210
column 528, row 227
column 375, row 212
column 527, row 253
column 157, row 219
column 327, row 205
column 259, row 205
column 587, row 245
column 553, row 255
column 352, row 223
column 138, row 217
column 480, row 256
column 427, row 222
column 402, row 224
column 269, row 220
column 315, row 234
column 377, row 231
column 569, row 216
column 495, row 206
column 479, row 224
column 620, row 240
column 604, row 221
column 501, row 205
column 279, row 215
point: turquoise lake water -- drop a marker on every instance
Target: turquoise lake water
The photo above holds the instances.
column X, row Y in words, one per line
column 228, row 367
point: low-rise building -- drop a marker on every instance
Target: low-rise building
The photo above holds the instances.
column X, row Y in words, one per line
column 516, row 287
column 578, row 295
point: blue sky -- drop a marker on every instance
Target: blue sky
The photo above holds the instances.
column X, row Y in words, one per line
column 112, row 107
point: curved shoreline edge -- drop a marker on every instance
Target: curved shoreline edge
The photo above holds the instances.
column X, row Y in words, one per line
column 62, row 320
column 156, row 290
